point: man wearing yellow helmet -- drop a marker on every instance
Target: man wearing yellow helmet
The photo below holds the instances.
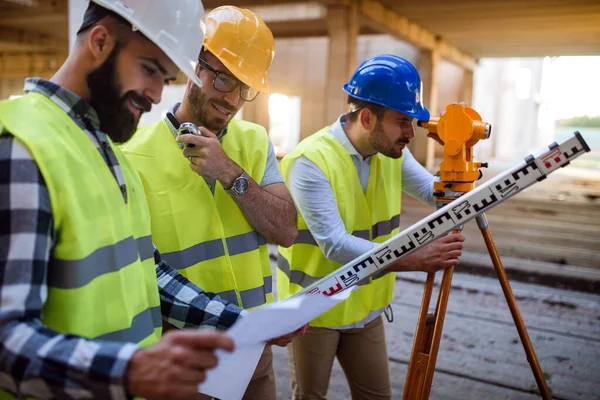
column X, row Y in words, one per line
column 217, row 203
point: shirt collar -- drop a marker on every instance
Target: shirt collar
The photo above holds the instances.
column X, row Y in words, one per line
column 73, row 105
column 337, row 131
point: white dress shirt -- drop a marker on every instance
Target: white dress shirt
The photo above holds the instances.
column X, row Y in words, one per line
column 314, row 198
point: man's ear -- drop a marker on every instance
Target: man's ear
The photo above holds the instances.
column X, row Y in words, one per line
column 367, row 119
column 100, row 43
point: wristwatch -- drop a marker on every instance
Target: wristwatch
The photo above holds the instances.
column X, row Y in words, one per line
column 240, row 185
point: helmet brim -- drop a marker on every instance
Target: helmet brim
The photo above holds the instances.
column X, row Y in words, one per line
column 420, row 114
column 262, row 87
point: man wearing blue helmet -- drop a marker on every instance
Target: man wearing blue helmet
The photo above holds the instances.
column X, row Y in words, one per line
column 346, row 181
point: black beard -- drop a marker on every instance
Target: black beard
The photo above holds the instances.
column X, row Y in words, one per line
column 105, row 97
column 379, row 142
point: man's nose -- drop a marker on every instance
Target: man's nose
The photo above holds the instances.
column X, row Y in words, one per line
column 233, row 97
column 154, row 92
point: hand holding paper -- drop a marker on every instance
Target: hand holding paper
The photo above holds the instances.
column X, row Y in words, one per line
column 251, row 333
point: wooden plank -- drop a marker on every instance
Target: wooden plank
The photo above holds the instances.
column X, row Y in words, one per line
column 450, row 387
column 494, row 11
column 38, row 11
column 445, row 387
column 21, row 19
column 19, row 66
column 543, row 231
column 21, row 40
column 554, row 310
column 479, row 343
column 492, row 28
column 210, row 4
column 480, row 355
column 400, row 26
column 298, row 28
column 291, row 12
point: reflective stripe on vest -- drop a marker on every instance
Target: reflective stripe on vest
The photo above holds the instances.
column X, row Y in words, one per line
column 142, row 326
column 252, row 297
column 101, row 278
column 204, row 235
column 372, row 215
column 379, row 229
column 71, row 274
column 243, row 243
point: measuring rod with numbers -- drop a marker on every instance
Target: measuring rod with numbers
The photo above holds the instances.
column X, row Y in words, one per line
column 461, row 210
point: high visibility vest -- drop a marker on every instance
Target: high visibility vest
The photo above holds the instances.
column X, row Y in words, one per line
column 101, row 276
column 374, row 215
column 205, row 236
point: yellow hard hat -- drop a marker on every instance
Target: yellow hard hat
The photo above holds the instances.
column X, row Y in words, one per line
column 241, row 40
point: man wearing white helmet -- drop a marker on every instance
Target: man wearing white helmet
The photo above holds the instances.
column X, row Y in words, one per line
column 82, row 288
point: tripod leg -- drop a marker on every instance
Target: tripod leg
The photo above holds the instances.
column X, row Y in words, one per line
column 420, row 352
column 514, row 309
column 440, row 314
column 427, row 340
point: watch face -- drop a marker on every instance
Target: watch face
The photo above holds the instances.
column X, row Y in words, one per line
column 240, row 185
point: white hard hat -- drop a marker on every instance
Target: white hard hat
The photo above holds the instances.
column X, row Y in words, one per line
column 175, row 26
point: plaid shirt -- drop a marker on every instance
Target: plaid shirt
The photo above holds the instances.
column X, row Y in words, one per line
column 34, row 360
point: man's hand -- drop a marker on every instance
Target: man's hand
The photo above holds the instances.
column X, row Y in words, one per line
column 173, row 367
column 439, row 254
column 435, row 137
column 284, row 340
column 208, row 159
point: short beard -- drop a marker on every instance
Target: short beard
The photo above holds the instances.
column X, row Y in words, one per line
column 381, row 143
column 105, row 97
column 198, row 104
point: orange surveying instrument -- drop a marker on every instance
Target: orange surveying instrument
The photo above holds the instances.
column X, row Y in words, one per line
column 460, row 128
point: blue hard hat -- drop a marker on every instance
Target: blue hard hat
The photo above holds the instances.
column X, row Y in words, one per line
column 389, row 81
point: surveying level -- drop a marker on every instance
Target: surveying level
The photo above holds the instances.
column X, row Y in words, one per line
column 460, row 128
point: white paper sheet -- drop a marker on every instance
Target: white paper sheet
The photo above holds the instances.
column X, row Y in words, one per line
column 229, row 380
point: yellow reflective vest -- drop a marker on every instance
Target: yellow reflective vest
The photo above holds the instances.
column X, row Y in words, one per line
column 205, row 236
column 374, row 215
column 101, row 277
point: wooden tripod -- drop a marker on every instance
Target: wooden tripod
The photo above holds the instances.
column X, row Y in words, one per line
column 429, row 328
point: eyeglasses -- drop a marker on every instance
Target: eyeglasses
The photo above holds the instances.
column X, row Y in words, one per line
column 226, row 83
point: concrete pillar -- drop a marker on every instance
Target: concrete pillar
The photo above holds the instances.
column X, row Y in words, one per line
column 422, row 147
column 343, row 25
column 467, row 88
column 257, row 111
